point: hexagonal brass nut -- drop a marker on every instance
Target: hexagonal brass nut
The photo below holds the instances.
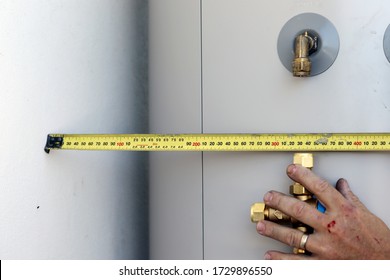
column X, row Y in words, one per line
column 257, row 212
column 298, row 189
column 301, row 67
column 304, row 159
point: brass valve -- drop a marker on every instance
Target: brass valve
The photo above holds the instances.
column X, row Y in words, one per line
column 260, row 211
column 305, row 45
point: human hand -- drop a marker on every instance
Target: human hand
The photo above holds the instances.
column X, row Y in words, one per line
column 347, row 230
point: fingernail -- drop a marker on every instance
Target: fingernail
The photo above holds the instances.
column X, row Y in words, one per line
column 291, row 168
column 260, row 227
column 267, row 256
column 267, row 197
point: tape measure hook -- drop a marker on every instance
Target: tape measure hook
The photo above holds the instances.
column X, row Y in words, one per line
column 53, row 142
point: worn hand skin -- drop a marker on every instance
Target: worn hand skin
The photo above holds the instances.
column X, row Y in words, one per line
column 347, row 230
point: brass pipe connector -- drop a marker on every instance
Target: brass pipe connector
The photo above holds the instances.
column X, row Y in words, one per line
column 260, row 211
column 305, row 45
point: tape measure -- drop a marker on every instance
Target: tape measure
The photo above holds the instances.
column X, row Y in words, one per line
column 326, row 142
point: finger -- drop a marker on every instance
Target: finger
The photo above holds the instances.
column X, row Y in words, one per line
column 291, row 237
column 325, row 192
column 276, row 255
column 302, row 211
column 343, row 187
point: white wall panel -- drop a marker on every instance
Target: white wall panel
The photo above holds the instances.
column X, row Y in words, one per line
column 176, row 224
column 72, row 67
column 246, row 89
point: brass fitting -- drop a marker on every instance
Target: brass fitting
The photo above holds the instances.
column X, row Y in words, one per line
column 304, row 159
column 260, row 211
column 305, row 45
column 296, row 189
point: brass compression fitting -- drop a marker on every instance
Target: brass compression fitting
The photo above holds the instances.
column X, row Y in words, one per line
column 260, row 211
column 305, row 45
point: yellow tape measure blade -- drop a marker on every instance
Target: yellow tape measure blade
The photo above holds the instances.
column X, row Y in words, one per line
column 221, row 142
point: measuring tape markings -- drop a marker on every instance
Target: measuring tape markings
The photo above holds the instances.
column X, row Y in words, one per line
column 221, row 142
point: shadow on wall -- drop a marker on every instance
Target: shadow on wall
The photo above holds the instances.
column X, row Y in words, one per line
column 138, row 175
column 132, row 167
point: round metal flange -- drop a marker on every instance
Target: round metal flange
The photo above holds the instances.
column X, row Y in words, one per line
column 328, row 41
column 386, row 43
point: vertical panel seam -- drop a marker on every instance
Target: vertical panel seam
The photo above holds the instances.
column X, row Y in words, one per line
column 201, row 121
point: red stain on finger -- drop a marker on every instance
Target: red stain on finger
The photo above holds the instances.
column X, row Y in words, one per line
column 331, row 225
